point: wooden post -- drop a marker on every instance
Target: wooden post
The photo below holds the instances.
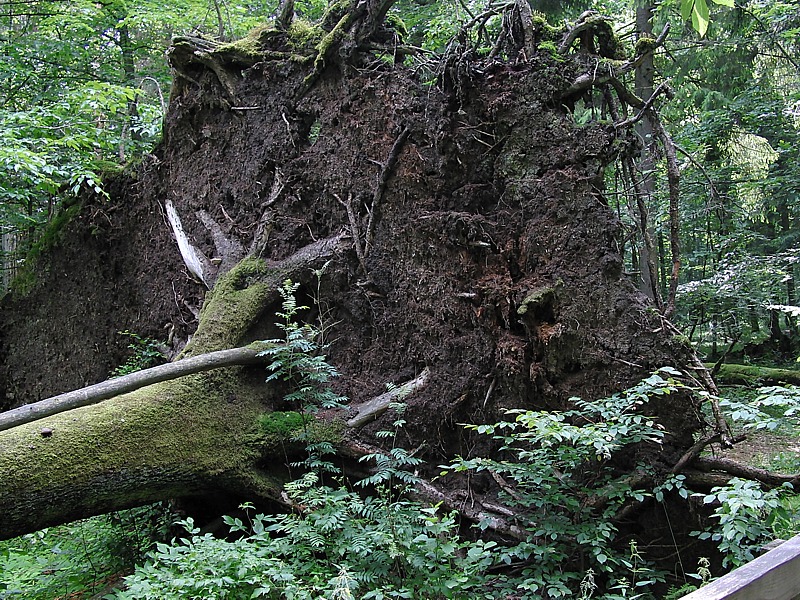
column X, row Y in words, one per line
column 772, row 576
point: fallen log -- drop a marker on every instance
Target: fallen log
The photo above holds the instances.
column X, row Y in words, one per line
column 732, row 374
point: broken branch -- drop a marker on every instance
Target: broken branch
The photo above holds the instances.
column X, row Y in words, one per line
column 111, row 388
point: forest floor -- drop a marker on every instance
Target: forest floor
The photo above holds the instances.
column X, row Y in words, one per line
column 765, row 449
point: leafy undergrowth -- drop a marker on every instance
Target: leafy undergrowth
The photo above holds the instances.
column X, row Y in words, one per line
column 81, row 559
column 747, row 514
column 768, row 417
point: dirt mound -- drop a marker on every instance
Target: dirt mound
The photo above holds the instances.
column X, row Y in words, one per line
column 111, row 267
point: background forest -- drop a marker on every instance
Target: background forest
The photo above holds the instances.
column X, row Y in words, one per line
column 84, row 92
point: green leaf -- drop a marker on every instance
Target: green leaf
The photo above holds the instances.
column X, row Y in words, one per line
column 700, row 17
column 724, row 3
column 686, row 9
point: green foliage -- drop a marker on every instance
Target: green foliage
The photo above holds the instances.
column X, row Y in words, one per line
column 557, row 475
column 746, row 516
column 338, row 545
column 557, row 463
column 697, row 12
column 83, row 94
column 283, row 425
column 294, row 359
column 146, row 353
column 772, row 408
column 334, row 544
column 80, row 556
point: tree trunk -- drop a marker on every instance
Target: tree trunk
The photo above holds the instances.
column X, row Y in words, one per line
column 193, row 435
column 643, row 88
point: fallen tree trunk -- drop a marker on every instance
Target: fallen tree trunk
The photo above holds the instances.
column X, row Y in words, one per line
column 198, row 434
column 752, row 375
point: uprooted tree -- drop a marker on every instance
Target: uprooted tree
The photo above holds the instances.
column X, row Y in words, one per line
column 447, row 227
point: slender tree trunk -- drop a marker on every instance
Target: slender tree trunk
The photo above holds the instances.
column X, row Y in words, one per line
column 643, row 88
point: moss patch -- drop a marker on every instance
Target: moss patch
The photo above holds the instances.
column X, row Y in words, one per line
column 280, row 425
column 235, row 303
column 535, row 298
column 755, row 376
column 303, row 34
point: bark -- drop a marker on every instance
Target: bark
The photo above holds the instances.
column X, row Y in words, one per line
column 645, row 164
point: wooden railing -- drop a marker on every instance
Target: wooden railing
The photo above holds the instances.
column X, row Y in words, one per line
column 772, row 576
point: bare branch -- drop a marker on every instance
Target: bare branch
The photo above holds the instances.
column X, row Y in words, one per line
column 122, row 385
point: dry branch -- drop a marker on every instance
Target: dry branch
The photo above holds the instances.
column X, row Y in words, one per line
column 128, row 383
column 372, row 409
column 732, row 468
column 354, row 229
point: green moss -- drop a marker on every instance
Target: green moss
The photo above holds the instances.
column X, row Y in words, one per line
column 173, row 436
column 319, row 430
column 683, row 340
column 543, row 30
column 537, row 297
column 397, row 24
column 234, row 304
column 245, row 47
column 304, row 34
column 26, row 280
column 55, row 228
column 644, row 45
column 754, row 376
column 551, row 48
column 281, row 426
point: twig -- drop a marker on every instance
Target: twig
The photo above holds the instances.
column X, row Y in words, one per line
column 699, row 167
column 504, row 486
column 662, row 88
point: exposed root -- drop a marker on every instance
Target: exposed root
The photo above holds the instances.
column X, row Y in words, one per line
column 383, row 179
column 354, row 230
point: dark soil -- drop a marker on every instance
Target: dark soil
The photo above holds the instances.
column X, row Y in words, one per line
column 112, row 268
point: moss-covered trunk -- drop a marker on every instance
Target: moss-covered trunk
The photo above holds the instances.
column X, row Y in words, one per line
column 195, row 435
column 191, row 436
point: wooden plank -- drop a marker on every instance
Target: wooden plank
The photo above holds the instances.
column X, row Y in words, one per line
column 772, row 576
